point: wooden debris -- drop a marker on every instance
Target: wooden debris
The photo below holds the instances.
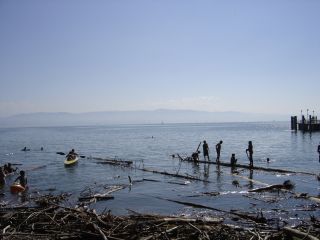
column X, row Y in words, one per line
column 226, row 164
column 298, row 234
column 54, row 221
column 97, row 197
column 88, row 195
column 213, row 194
column 47, row 200
column 287, row 185
column 257, row 219
column 110, row 161
column 173, row 174
column 179, row 183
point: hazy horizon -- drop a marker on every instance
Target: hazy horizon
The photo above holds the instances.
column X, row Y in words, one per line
column 134, row 117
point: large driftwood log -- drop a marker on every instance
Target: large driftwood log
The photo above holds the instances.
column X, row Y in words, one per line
column 226, row 164
column 97, row 197
column 257, row 219
column 287, row 185
column 172, row 174
column 298, row 234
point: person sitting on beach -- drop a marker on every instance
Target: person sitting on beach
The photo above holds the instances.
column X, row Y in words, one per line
column 233, row 160
column 72, row 155
column 22, row 179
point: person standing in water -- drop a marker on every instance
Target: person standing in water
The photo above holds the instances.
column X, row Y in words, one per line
column 22, row 179
column 205, row 148
column 218, row 150
column 319, row 151
column 250, row 151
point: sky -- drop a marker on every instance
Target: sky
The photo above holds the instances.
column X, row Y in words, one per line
column 105, row 55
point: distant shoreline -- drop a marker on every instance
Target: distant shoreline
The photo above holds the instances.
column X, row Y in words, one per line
column 161, row 116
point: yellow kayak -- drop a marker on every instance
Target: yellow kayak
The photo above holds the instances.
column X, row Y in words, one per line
column 71, row 161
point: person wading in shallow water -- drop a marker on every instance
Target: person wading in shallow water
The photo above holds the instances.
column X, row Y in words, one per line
column 218, row 150
column 195, row 156
column 22, row 179
column 205, row 150
column 233, row 160
column 250, row 151
column 319, row 151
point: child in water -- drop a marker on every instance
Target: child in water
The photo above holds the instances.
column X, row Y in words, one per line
column 22, row 179
column 233, row 159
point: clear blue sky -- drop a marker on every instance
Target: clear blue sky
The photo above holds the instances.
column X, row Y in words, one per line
column 82, row 56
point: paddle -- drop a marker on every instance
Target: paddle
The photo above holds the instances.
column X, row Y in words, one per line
column 62, row 153
column 198, row 147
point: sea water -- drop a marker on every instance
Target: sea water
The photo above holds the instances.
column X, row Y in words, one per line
column 152, row 147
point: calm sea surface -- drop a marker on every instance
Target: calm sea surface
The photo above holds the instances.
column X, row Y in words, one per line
column 152, row 146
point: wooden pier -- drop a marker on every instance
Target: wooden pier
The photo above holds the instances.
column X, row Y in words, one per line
column 309, row 124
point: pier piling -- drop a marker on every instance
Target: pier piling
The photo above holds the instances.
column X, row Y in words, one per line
column 307, row 124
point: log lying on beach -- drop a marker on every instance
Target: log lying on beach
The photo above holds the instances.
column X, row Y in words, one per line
column 298, row 234
column 226, row 164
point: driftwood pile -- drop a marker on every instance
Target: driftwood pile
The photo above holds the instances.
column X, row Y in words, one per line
column 49, row 220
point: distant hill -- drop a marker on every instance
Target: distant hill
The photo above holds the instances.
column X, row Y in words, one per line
column 133, row 117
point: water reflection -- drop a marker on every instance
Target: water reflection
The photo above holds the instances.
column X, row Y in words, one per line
column 250, row 185
column 23, row 197
column 219, row 178
column 196, row 168
column 234, row 169
column 206, row 171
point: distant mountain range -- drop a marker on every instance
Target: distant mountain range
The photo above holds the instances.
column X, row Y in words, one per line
column 133, row 117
